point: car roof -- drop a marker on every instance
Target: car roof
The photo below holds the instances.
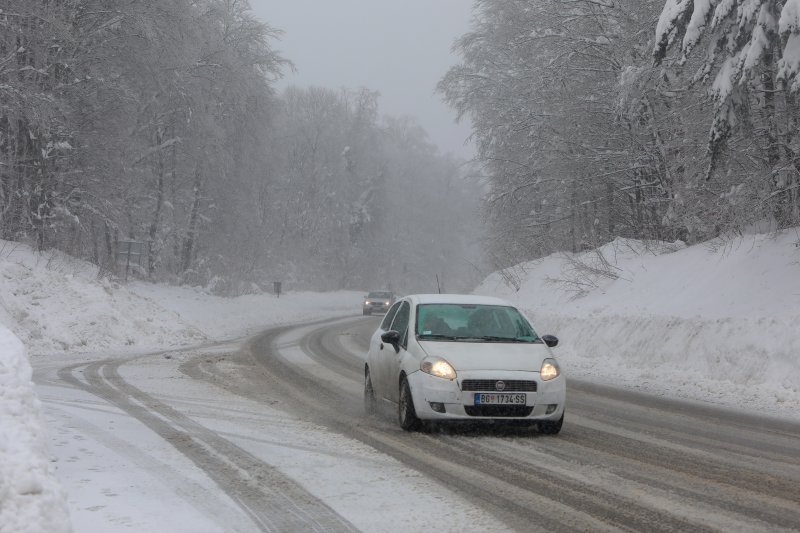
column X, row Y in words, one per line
column 457, row 299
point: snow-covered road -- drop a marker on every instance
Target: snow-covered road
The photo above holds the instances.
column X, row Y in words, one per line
column 269, row 435
column 153, row 443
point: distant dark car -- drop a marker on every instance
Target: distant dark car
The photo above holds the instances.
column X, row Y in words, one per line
column 378, row 302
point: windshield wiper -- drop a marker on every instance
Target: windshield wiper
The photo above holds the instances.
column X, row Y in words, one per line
column 492, row 338
column 439, row 336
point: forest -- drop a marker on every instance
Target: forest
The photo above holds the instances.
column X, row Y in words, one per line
column 159, row 123
column 644, row 119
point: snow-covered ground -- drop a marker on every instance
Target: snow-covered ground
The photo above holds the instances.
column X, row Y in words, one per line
column 59, row 310
column 56, row 304
column 29, row 492
column 710, row 324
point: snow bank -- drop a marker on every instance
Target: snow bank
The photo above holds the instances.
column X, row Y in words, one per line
column 31, row 500
column 57, row 304
column 714, row 324
column 224, row 318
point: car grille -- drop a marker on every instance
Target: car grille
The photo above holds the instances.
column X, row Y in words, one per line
column 490, row 385
column 498, row 410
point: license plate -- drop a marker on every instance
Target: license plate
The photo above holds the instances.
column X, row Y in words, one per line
column 499, row 399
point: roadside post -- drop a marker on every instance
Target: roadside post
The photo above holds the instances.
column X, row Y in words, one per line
column 276, row 288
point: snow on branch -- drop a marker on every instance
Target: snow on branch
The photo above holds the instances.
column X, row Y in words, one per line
column 697, row 24
column 745, row 29
column 743, row 36
column 790, row 17
column 673, row 17
column 789, row 29
column 155, row 149
column 760, row 41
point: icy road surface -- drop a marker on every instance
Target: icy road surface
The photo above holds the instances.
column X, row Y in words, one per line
column 271, row 437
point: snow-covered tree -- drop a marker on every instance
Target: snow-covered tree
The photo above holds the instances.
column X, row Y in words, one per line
column 751, row 67
column 36, row 62
column 541, row 82
column 158, row 122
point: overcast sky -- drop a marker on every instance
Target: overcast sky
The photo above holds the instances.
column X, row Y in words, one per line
column 400, row 48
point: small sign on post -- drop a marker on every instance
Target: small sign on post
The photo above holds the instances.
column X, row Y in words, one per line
column 130, row 253
column 276, row 288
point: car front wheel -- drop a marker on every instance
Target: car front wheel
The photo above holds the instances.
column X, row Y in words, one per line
column 407, row 415
column 551, row 427
column 370, row 404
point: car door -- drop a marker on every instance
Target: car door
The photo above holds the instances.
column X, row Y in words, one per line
column 378, row 352
column 394, row 358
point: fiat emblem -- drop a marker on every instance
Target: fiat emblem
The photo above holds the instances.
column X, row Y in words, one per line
column 500, row 385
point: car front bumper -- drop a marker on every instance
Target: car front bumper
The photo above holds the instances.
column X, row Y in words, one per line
column 459, row 404
column 376, row 308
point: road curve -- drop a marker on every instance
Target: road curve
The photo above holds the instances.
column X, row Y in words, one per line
column 624, row 460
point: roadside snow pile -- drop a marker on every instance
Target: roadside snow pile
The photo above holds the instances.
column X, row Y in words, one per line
column 57, row 304
column 225, row 318
column 714, row 324
column 31, row 500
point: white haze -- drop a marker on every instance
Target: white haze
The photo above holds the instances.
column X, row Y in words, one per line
column 401, row 49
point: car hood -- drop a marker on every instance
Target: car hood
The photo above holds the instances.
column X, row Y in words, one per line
column 489, row 355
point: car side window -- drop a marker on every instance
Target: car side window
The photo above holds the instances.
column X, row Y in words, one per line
column 387, row 320
column 400, row 322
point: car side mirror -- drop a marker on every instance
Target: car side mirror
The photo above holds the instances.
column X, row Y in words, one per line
column 550, row 340
column 392, row 337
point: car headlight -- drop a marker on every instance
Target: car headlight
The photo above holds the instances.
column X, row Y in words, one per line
column 436, row 366
column 549, row 370
column 366, row 303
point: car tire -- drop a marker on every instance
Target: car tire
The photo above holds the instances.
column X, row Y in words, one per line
column 406, row 414
column 550, row 427
column 370, row 403
column 366, row 313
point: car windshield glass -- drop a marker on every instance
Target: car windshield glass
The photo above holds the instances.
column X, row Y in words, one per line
column 473, row 323
column 380, row 295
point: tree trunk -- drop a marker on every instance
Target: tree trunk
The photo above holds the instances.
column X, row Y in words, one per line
column 780, row 210
column 41, row 197
column 611, row 226
column 112, row 257
column 191, row 235
column 156, row 220
column 792, row 112
column 574, row 220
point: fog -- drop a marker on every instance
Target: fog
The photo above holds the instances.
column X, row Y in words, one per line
column 401, row 49
column 180, row 130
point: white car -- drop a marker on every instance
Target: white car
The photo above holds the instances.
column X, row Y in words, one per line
column 441, row 357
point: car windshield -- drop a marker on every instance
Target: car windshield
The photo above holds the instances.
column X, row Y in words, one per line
column 473, row 323
column 379, row 295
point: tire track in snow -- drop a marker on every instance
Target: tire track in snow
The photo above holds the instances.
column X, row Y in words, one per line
column 270, row 499
column 667, row 462
column 548, row 489
column 343, row 414
column 205, row 501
